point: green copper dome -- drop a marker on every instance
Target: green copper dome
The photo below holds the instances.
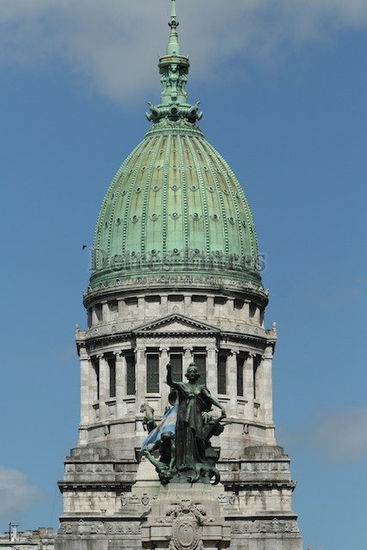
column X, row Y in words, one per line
column 175, row 210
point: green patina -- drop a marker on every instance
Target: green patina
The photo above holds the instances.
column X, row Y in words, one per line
column 174, row 205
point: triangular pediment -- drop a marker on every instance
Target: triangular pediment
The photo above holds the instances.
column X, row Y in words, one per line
column 176, row 323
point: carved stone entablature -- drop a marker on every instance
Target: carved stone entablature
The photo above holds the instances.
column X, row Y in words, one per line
column 227, row 499
column 98, row 527
column 269, row 526
column 174, row 325
column 177, row 282
column 93, row 486
column 263, row 485
column 266, row 467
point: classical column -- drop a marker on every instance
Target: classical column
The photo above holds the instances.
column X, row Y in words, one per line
column 94, row 315
column 257, row 315
column 164, row 388
column 232, row 382
column 120, row 383
column 122, row 309
column 85, row 397
column 92, row 383
column 141, row 375
column 211, row 369
column 104, row 383
column 246, row 311
column 106, row 314
column 248, row 378
column 267, row 384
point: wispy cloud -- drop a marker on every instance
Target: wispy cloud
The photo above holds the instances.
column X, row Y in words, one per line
column 340, row 434
column 16, row 493
column 112, row 44
column 343, row 434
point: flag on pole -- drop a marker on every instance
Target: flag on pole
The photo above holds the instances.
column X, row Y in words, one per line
column 167, row 424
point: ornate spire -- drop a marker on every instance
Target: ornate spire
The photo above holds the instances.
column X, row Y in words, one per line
column 174, row 70
column 173, row 47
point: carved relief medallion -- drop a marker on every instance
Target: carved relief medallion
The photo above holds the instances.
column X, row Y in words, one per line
column 186, row 526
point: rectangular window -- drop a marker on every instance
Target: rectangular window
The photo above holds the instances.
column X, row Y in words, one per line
column 95, row 364
column 152, row 373
column 222, row 374
column 240, row 366
column 130, row 375
column 112, row 368
column 176, row 361
column 200, row 362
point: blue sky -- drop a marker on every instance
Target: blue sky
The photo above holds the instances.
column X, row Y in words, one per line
column 283, row 91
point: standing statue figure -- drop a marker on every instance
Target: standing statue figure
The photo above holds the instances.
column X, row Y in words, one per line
column 194, row 426
column 149, row 423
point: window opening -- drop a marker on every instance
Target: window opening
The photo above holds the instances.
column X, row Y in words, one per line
column 130, row 375
column 152, row 373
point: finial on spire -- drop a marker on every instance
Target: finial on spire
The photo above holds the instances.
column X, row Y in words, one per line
column 174, row 69
column 173, row 12
column 173, row 47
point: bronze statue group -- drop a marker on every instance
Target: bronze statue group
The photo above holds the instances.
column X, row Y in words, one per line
column 180, row 447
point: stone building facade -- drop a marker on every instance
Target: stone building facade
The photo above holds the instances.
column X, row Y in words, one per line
column 42, row 538
column 175, row 278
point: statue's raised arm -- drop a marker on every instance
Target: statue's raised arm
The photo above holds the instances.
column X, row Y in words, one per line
column 169, row 380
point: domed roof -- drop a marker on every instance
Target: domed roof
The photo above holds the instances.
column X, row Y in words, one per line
column 175, row 210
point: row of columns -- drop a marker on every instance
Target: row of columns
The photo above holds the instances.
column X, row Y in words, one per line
column 88, row 382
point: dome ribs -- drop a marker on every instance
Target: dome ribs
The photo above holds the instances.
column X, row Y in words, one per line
column 184, row 198
column 175, row 204
column 210, row 156
column 148, row 183
column 129, row 193
column 202, row 194
column 165, row 192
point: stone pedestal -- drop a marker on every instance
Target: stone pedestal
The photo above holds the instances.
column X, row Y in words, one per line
column 186, row 517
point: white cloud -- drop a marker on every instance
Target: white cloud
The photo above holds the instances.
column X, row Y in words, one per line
column 340, row 434
column 16, row 494
column 343, row 434
column 113, row 44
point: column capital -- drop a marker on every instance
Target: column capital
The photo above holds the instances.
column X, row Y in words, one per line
column 118, row 353
column 211, row 348
column 100, row 355
column 164, row 348
column 82, row 351
column 268, row 353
